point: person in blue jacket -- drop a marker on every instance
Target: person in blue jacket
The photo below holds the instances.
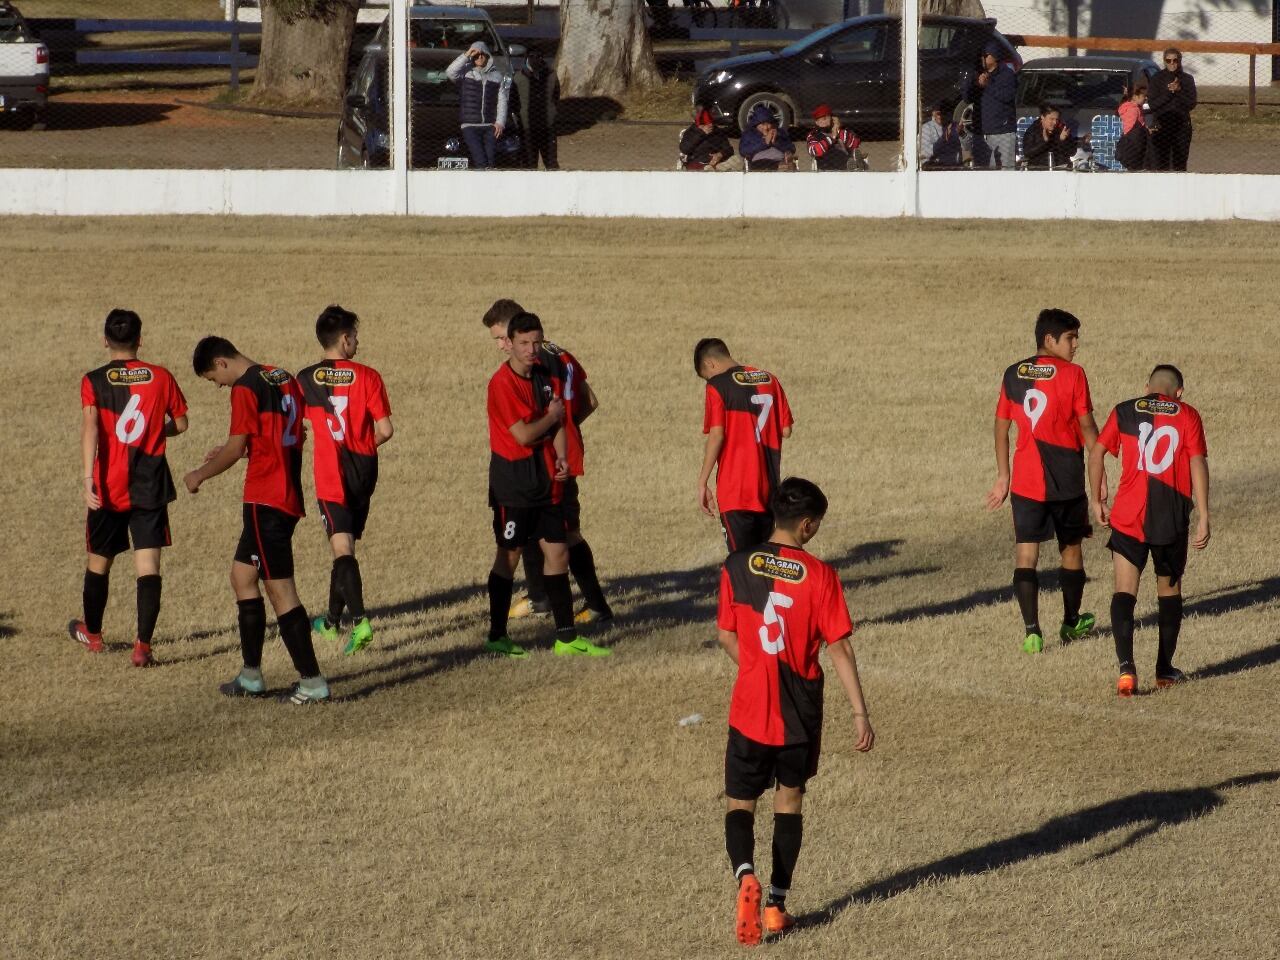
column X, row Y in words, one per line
column 993, row 92
column 765, row 145
column 484, row 93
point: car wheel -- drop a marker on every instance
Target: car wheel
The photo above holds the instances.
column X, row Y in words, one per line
column 783, row 109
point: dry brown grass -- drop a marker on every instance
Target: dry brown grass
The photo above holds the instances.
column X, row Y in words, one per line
column 463, row 807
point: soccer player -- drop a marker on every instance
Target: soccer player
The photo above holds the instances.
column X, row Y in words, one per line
column 350, row 416
column 1164, row 472
column 266, row 415
column 746, row 418
column 130, row 409
column 570, row 384
column 778, row 606
column 528, row 465
column 1047, row 396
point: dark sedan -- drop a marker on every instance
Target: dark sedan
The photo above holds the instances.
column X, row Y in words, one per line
column 854, row 67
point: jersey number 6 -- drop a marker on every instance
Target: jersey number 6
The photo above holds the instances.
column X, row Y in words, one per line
column 132, row 421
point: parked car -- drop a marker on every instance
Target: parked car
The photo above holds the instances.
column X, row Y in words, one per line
column 24, row 70
column 437, row 35
column 854, row 67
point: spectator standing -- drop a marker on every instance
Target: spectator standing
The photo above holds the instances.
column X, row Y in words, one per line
column 763, row 145
column 1133, row 149
column 1172, row 97
column 940, row 141
column 703, row 147
column 995, row 90
column 484, row 94
column 1049, row 144
column 831, row 145
column 538, row 92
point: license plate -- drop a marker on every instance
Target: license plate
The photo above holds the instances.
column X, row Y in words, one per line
column 452, row 163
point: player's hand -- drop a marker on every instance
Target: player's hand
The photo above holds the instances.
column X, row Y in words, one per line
column 192, row 481
column 1101, row 515
column 556, row 407
column 562, row 468
column 998, row 493
column 866, row 736
column 91, row 498
column 1201, row 539
column 707, row 500
column 1103, row 494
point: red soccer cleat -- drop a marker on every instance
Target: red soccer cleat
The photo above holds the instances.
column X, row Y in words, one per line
column 142, row 654
column 1127, row 685
column 81, row 635
column 777, row 920
column 748, row 923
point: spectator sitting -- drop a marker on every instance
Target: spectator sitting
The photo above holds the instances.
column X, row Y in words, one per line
column 703, row 147
column 763, row 146
column 1049, row 144
column 831, row 146
column 1133, row 149
column 484, row 94
column 940, row 142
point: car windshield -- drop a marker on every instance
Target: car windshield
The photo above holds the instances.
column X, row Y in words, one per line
column 12, row 30
column 1069, row 89
column 451, row 34
column 804, row 43
column 432, row 86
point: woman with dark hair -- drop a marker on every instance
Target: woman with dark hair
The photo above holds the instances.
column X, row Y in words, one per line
column 1133, row 149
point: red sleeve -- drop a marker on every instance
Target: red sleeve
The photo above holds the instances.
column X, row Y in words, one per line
column 1110, row 435
column 784, row 408
column 244, row 412
column 725, row 618
column 1004, row 406
column 713, row 412
column 177, row 402
column 833, row 621
column 87, row 396
column 1196, row 446
column 504, row 404
column 1081, row 402
column 379, row 404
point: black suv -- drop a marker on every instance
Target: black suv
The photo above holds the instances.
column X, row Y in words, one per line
column 855, row 67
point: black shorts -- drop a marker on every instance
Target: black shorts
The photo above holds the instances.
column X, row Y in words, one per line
column 751, row 768
column 107, row 532
column 349, row 517
column 1035, row 521
column 513, row 527
column 1168, row 559
column 266, row 542
column 745, row 528
column 570, row 506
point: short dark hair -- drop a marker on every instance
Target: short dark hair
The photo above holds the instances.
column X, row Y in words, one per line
column 1170, row 369
column 1054, row 323
column 502, row 312
column 209, row 349
column 1174, row 50
column 123, row 328
column 333, row 323
column 707, row 348
column 524, row 322
column 797, row 498
column 1048, row 108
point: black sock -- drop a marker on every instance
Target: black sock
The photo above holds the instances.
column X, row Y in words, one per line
column 1026, row 589
column 788, row 832
column 295, row 631
column 336, row 603
column 583, row 566
column 148, row 606
column 740, row 840
column 1170, row 624
column 95, row 599
column 1072, row 593
column 533, row 580
column 499, row 605
column 561, row 601
column 347, row 572
column 253, row 630
column 1122, row 605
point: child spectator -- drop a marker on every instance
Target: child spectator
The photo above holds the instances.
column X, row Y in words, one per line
column 703, row 147
column 831, row 146
column 764, row 146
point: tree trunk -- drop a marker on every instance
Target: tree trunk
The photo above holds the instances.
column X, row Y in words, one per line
column 305, row 45
column 950, row 8
column 604, row 48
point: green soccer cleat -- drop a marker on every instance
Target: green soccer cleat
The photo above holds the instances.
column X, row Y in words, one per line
column 505, row 647
column 324, row 629
column 1033, row 644
column 1084, row 626
column 361, row 637
column 580, row 647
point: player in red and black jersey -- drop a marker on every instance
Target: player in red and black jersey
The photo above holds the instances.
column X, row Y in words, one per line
column 1047, row 396
column 746, row 417
column 1159, row 439
column 350, row 415
column 569, row 381
column 528, row 465
column 778, row 607
column 130, row 408
column 266, row 426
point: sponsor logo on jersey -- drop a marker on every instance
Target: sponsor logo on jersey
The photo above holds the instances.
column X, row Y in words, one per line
column 777, row 568
column 127, row 377
column 276, row 377
column 751, row 378
column 551, row 348
column 1166, row 407
column 1036, row 371
column 334, row 377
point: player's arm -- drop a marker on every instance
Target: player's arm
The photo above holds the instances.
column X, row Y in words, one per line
column 222, row 460
column 846, row 666
column 1098, row 484
column 175, row 425
column 1089, row 431
column 710, row 456
column 588, row 406
column 528, row 433
column 89, row 455
column 382, row 431
column 1200, row 497
column 560, row 443
column 729, row 643
column 1000, row 489
column 786, row 432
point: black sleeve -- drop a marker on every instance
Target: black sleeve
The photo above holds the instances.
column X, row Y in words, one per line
column 1158, row 95
column 1034, row 145
column 1187, row 96
column 690, row 140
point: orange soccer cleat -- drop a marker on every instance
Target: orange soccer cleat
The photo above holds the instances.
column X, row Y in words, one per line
column 1127, row 685
column 777, row 920
column 748, row 923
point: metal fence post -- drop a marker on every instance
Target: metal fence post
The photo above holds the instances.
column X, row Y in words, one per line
column 235, row 50
column 399, row 64
column 911, row 107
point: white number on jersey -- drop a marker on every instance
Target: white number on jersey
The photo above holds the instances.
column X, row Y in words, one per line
column 339, row 432
column 765, row 402
column 777, row 601
column 568, row 382
column 1033, row 405
column 290, row 407
column 132, row 422
column 1147, row 440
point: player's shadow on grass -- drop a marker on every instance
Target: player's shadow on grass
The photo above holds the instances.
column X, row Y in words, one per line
column 979, row 598
column 1262, row 657
column 1144, row 813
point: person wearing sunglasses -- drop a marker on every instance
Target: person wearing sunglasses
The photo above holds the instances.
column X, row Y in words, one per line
column 1171, row 96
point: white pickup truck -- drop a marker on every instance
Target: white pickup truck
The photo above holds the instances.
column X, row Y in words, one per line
column 24, row 69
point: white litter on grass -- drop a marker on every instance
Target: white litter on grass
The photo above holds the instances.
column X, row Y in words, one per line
column 692, row 720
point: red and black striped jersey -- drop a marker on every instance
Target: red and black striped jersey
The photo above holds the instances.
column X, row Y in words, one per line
column 344, row 399
column 133, row 400
column 520, row 476
column 752, row 408
column 1155, row 438
column 783, row 604
column 1046, row 397
column 266, row 407
column 569, row 383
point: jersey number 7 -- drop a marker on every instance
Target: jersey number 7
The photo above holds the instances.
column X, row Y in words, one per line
column 765, row 402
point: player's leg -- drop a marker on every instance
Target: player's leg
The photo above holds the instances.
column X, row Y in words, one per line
column 149, row 530
column 1071, row 524
column 1128, row 558
column 251, row 619
column 582, row 562
column 1169, row 562
column 1032, row 525
column 350, row 583
column 534, row 602
column 106, row 535
column 555, row 574
column 748, row 771
column 510, row 533
column 793, row 767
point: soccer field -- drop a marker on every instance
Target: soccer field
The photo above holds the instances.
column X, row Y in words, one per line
column 452, row 805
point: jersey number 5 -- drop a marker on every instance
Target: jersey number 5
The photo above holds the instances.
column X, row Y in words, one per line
column 132, row 421
column 776, row 602
column 765, row 402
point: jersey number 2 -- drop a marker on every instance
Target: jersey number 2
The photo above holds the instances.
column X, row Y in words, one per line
column 776, row 602
column 290, row 407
